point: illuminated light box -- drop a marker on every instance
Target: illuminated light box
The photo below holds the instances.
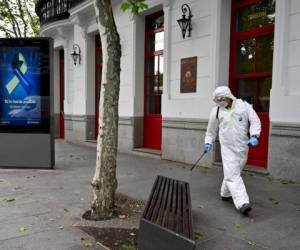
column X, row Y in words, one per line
column 24, row 86
column 26, row 101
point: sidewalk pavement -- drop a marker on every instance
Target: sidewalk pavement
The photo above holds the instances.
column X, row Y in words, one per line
column 48, row 203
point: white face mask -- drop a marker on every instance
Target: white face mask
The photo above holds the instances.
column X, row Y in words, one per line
column 223, row 104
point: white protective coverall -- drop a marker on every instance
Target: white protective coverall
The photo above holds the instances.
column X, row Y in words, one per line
column 233, row 126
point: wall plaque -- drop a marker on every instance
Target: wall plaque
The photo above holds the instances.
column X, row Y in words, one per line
column 188, row 78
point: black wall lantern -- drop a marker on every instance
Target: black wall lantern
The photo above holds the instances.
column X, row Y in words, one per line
column 76, row 54
column 185, row 22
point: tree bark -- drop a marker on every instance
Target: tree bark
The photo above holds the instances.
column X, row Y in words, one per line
column 104, row 182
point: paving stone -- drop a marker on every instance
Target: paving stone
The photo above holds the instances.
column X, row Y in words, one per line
column 49, row 199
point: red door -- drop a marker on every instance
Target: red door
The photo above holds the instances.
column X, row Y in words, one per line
column 61, row 94
column 251, row 57
column 98, row 75
column 154, row 45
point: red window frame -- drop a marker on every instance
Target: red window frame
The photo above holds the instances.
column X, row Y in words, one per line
column 149, row 55
column 257, row 156
column 236, row 36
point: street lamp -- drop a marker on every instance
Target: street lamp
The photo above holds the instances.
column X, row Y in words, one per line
column 76, row 54
column 185, row 22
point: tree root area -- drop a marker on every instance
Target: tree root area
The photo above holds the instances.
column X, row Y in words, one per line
column 125, row 206
column 123, row 236
column 114, row 238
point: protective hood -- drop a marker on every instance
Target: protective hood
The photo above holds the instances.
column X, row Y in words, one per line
column 223, row 91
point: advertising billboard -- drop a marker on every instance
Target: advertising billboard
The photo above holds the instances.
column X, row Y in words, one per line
column 24, row 87
column 26, row 103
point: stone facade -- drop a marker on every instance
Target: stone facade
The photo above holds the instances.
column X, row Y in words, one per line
column 284, row 148
column 184, row 115
column 79, row 128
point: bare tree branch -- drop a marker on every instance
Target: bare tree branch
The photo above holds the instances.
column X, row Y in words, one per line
column 6, row 18
column 13, row 20
column 22, row 14
column 7, row 31
column 18, row 17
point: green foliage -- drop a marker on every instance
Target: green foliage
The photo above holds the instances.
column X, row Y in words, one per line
column 9, row 199
column 198, row 236
column 88, row 244
column 134, row 6
column 252, row 243
column 22, row 229
column 125, row 6
column 128, row 247
column 18, row 19
column 256, row 15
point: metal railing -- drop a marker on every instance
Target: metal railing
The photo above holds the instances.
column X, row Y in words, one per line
column 54, row 10
column 75, row 2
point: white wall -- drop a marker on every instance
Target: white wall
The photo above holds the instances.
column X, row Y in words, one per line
column 131, row 30
column 294, row 49
column 138, row 65
column 205, row 43
column 78, row 83
column 202, row 43
column 221, row 29
column 125, row 28
column 285, row 93
column 209, row 42
column 78, row 86
column 174, row 104
column 69, row 77
column 63, row 39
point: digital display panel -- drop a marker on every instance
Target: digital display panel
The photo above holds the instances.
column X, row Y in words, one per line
column 24, row 86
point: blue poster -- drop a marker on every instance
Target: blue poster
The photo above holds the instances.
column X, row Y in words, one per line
column 20, row 97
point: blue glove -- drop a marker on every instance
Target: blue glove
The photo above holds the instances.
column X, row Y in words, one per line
column 253, row 141
column 207, row 147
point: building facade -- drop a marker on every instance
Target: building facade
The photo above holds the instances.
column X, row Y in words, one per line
column 167, row 81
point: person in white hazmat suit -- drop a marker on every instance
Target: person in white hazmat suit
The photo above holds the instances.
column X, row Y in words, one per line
column 232, row 119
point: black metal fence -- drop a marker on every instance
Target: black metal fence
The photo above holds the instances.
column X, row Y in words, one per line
column 54, row 10
column 75, row 2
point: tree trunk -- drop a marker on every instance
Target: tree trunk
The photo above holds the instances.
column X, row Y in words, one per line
column 104, row 182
